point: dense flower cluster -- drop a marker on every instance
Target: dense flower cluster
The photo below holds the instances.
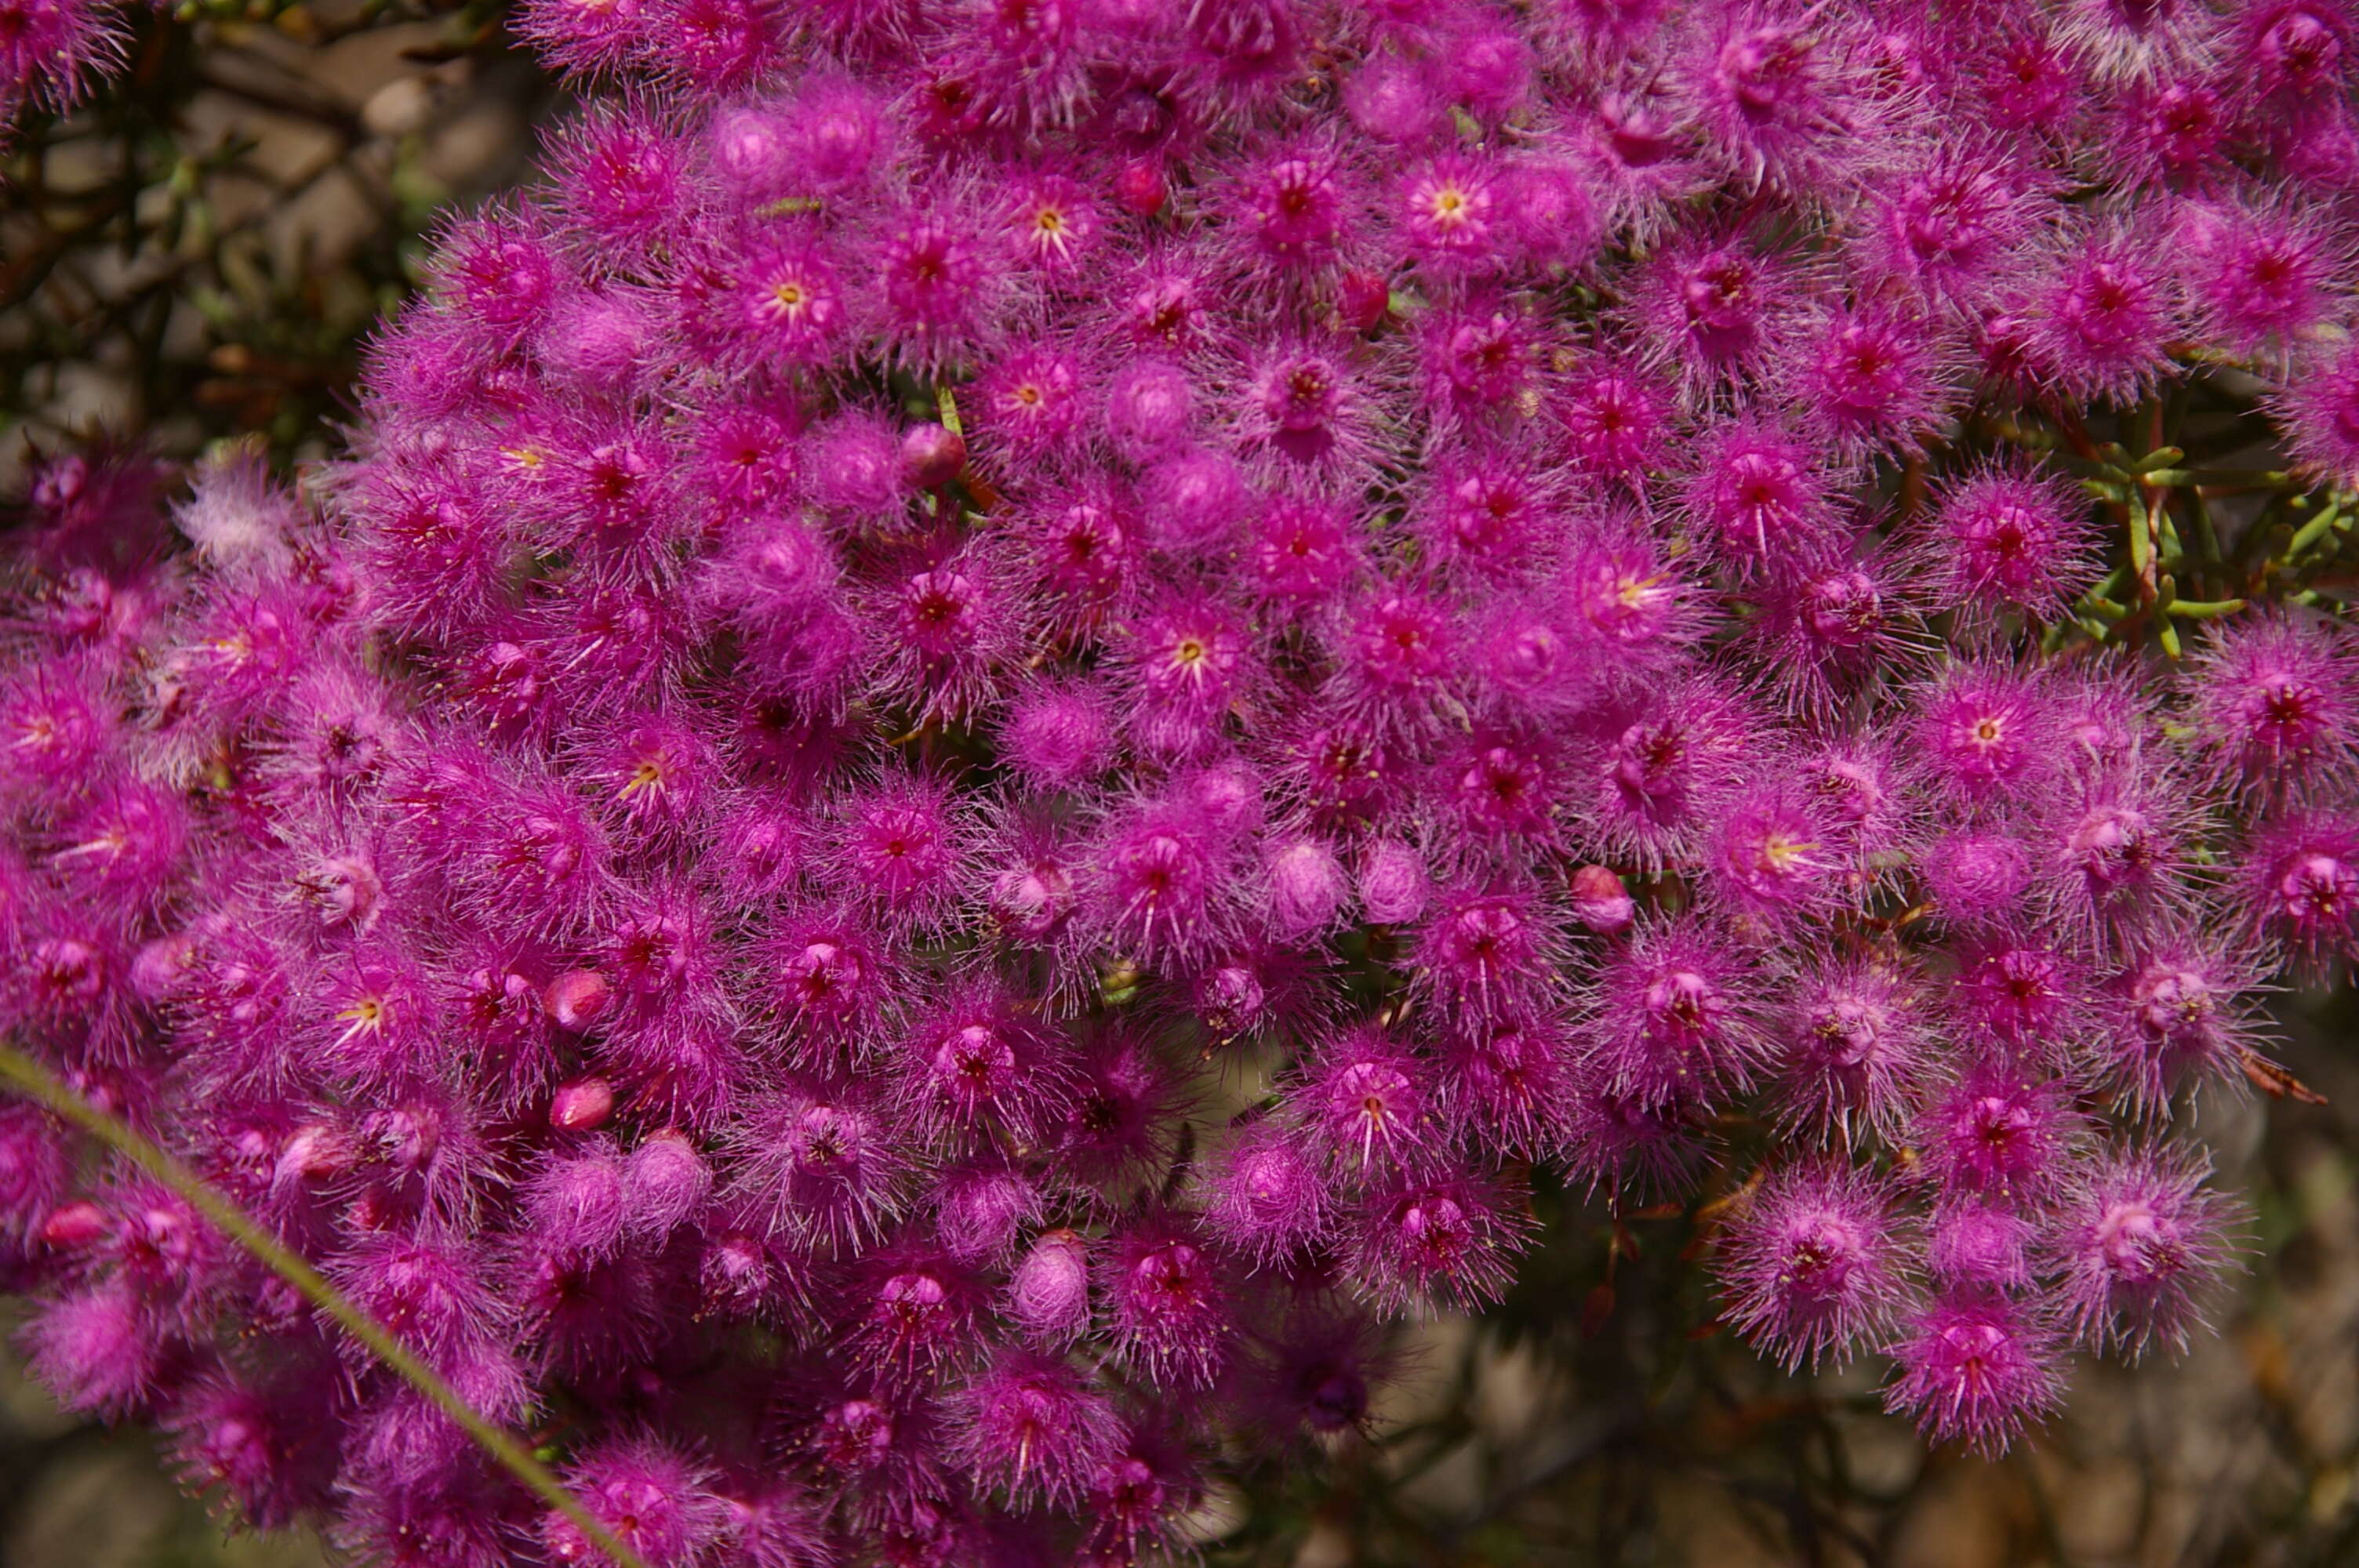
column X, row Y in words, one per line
column 1003, row 713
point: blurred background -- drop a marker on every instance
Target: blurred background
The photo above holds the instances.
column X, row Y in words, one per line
column 197, row 254
column 199, row 251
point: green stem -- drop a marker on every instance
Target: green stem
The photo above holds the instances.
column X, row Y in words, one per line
column 2207, row 536
column 38, row 1083
column 2310, row 533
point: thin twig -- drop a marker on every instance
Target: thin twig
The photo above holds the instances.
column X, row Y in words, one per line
column 38, row 1083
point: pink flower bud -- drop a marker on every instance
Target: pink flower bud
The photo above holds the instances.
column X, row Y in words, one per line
column 311, row 1152
column 581, row 1106
column 1138, row 185
column 158, row 967
column 576, row 998
column 1363, row 299
column 1600, row 900
column 1305, row 888
column 76, row 1224
column 1050, row 1293
column 1148, row 408
column 931, row 456
column 663, row 1182
column 734, row 1273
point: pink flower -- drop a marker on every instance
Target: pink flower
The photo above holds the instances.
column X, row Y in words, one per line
column 1812, row 1263
column 1977, row 1367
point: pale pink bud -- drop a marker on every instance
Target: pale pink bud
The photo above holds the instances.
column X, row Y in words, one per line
column 575, row 999
column 1049, row 1291
column 582, row 1105
column 1600, row 900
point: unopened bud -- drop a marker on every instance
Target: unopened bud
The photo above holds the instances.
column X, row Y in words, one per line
column 159, row 967
column 575, row 999
column 663, row 1182
column 1363, row 299
column 1138, row 185
column 1050, row 1293
column 74, row 1225
column 1600, row 900
column 931, row 456
column 582, row 1105
column 313, row 1152
column 1393, row 884
column 1305, row 888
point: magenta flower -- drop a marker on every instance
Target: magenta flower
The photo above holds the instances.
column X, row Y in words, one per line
column 2141, row 1239
column 2178, row 1014
column 1269, row 1196
column 1812, row 1265
column 1853, row 1040
column 1977, row 1368
column 1436, row 1244
column 2298, row 884
column 1168, row 1303
column 1675, row 1020
column 658, row 1503
column 2000, row 1129
column 2010, row 539
column 2270, row 698
column 1367, row 1103
column 995, row 726
column 1034, row 1427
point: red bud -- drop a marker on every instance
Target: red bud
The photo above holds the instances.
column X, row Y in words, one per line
column 1364, row 300
column 1139, row 185
column 932, row 455
column 74, row 1225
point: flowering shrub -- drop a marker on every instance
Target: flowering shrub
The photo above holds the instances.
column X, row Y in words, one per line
column 1005, row 714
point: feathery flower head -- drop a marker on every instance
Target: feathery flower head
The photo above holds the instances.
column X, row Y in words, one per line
column 2141, row 1239
column 1811, row 1265
column 1975, row 1366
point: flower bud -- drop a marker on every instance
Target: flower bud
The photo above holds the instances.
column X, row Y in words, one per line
column 1049, row 1291
column 734, row 1273
column 1600, row 900
column 1138, row 185
column 577, row 1205
column 981, row 1212
column 751, row 149
column 663, row 1182
column 156, row 968
column 931, row 456
column 1148, row 408
column 76, row 1224
column 313, row 1152
column 582, row 1105
column 1363, row 299
column 1058, row 736
column 1230, row 999
column 1305, row 888
column 1195, row 501
column 576, row 998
